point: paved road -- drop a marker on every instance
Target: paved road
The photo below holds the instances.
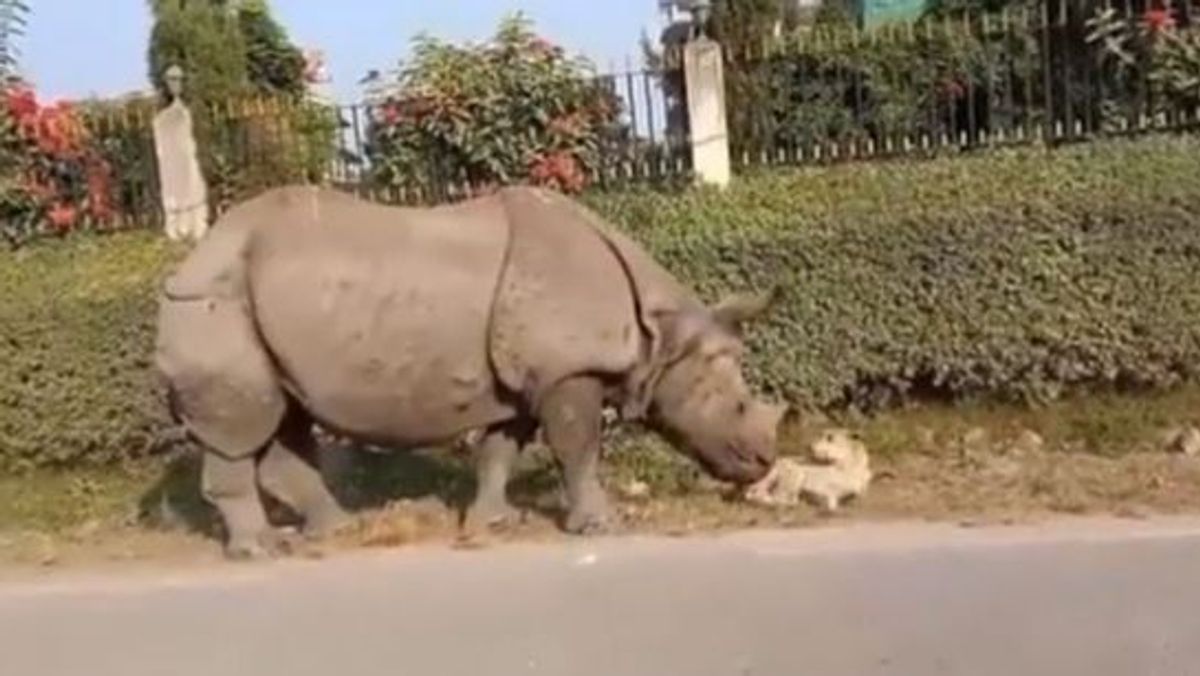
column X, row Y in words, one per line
column 1087, row 598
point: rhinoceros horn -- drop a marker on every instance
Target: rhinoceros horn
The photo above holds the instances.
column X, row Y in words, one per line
column 734, row 311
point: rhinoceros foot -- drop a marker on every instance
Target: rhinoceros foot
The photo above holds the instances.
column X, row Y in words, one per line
column 491, row 515
column 326, row 522
column 590, row 516
column 270, row 544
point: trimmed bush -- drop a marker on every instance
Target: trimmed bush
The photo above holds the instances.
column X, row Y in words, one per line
column 76, row 339
column 1016, row 274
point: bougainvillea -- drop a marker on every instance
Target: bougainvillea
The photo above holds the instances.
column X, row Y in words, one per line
column 54, row 181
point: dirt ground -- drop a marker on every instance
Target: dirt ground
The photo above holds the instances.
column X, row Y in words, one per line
column 1117, row 456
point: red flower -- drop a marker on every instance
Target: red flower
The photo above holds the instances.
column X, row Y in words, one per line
column 567, row 125
column 390, row 114
column 21, row 103
column 62, row 217
column 559, row 170
column 1159, row 20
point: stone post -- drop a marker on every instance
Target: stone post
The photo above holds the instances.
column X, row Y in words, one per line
column 184, row 194
column 704, row 74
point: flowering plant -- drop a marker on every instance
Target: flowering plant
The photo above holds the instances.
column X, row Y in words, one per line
column 511, row 110
column 53, row 180
column 1152, row 47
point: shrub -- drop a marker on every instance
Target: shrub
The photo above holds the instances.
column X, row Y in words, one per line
column 205, row 40
column 513, row 109
column 76, row 339
column 55, row 178
column 1014, row 274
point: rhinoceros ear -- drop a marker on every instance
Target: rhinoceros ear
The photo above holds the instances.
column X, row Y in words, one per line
column 736, row 310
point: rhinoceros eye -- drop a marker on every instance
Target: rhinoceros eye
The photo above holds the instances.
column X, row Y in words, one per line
column 741, row 408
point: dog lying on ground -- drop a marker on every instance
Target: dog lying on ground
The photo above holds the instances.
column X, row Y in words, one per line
column 843, row 473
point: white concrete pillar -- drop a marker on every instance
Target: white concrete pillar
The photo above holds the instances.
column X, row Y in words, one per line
column 704, row 73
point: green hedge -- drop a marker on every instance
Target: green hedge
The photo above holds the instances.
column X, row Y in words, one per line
column 1015, row 273
column 76, row 335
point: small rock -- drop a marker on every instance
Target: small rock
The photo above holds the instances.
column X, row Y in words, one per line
column 47, row 552
column 926, row 440
column 1186, row 442
column 86, row 531
column 1028, row 442
column 975, row 439
column 1133, row 512
column 636, row 490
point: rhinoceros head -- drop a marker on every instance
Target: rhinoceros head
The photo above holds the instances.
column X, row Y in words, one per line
column 701, row 401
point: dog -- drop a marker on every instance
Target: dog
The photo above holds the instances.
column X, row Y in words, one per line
column 842, row 472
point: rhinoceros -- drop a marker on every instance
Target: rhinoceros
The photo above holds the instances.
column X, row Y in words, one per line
column 508, row 315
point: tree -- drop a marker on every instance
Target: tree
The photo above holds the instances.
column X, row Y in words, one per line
column 234, row 52
column 744, row 26
column 12, row 25
column 203, row 38
column 226, row 48
column 274, row 64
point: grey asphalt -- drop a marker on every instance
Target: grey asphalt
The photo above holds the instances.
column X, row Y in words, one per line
column 1092, row 598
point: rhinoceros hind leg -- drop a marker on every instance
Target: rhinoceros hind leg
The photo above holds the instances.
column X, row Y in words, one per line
column 229, row 484
column 494, row 457
column 571, row 416
column 285, row 474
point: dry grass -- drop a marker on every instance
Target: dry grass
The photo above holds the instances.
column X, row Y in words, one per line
column 1100, row 455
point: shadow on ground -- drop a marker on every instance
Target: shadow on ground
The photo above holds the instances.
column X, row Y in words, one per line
column 362, row 480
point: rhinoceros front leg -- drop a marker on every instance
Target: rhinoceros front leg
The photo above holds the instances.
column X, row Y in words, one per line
column 494, row 458
column 284, row 474
column 571, row 418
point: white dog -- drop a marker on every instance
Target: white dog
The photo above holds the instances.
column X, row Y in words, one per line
column 844, row 472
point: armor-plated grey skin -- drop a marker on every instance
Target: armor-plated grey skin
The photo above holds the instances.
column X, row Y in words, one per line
column 407, row 327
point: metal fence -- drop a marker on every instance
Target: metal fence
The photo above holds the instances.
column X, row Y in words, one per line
column 249, row 145
column 646, row 143
column 1041, row 71
column 1049, row 70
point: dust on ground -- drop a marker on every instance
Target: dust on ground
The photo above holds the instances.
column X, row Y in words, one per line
column 971, row 467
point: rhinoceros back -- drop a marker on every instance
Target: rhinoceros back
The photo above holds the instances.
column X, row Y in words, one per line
column 377, row 316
